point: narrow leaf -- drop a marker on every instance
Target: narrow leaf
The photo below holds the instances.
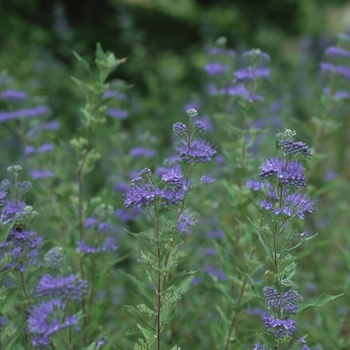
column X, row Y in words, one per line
column 322, row 300
column 181, row 276
column 81, row 60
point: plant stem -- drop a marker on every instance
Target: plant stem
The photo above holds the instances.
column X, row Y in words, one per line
column 240, row 296
column 81, row 226
column 158, row 289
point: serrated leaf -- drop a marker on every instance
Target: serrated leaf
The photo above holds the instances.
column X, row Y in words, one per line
column 322, row 300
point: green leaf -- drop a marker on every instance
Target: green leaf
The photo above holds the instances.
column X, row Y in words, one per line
column 5, row 232
column 130, row 310
column 81, row 85
column 302, row 241
column 57, row 144
column 81, row 60
column 322, row 300
column 8, row 303
column 325, row 188
column 181, row 276
column 143, row 287
column 169, row 315
column 256, row 287
column 223, row 315
column 240, row 307
column 161, row 212
column 19, row 333
column 262, row 241
column 146, row 333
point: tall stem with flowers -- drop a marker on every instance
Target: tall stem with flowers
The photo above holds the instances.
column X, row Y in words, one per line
column 164, row 198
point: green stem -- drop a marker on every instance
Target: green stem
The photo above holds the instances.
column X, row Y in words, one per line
column 158, row 289
column 239, row 300
column 81, row 227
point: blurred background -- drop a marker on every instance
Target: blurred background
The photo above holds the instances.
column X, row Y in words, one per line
column 165, row 44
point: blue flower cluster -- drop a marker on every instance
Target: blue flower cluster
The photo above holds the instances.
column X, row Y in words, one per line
column 46, row 320
column 143, row 193
column 252, row 71
column 279, row 323
column 69, row 288
column 286, row 177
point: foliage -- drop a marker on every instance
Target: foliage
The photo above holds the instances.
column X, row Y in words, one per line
column 203, row 207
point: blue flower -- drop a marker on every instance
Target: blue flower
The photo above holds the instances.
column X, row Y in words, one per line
column 142, row 193
column 195, row 151
column 289, row 173
column 279, row 328
column 62, row 288
column 24, row 113
column 13, row 95
column 216, row 68
column 48, row 319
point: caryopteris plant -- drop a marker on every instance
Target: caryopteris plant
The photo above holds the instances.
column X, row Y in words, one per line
column 111, row 235
column 165, row 199
column 283, row 202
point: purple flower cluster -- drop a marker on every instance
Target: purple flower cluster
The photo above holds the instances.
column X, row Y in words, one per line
column 117, row 113
column 284, row 305
column 179, row 129
column 337, row 64
column 62, row 288
column 191, row 148
column 250, row 74
column 256, row 185
column 34, row 130
column 293, row 205
column 185, row 220
column 244, row 84
column 196, row 151
column 289, row 173
column 48, row 319
column 13, row 95
column 20, row 249
column 279, row 328
column 258, row 346
column 44, row 148
column 40, row 174
column 343, row 71
column 142, row 193
column 337, row 52
column 11, row 210
column 288, row 176
column 142, row 152
column 291, row 147
column 216, row 68
column 108, row 246
column 24, row 113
